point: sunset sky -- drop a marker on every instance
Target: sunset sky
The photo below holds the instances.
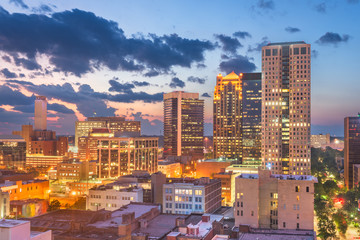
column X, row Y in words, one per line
column 119, row 57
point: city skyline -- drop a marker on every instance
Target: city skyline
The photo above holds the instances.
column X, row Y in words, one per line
column 78, row 71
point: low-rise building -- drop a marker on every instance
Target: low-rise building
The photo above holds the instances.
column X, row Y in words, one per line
column 207, row 168
column 113, row 196
column 227, row 187
column 82, row 187
column 19, row 229
column 28, row 207
column 202, row 230
column 21, row 190
column 317, row 141
column 101, row 224
column 37, row 161
column 73, row 170
column 198, row 196
column 12, row 151
column 170, row 169
column 4, row 204
column 273, row 201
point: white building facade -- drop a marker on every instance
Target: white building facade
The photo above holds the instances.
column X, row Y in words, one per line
column 112, row 198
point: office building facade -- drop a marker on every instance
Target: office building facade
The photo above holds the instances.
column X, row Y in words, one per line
column 200, row 196
column 118, row 156
column 116, row 125
column 351, row 148
column 274, row 201
column 227, row 117
column 183, row 124
column 12, row 151
column 251, row 118
column 286, row 106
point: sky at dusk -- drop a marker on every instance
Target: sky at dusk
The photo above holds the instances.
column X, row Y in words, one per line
column 119, row 57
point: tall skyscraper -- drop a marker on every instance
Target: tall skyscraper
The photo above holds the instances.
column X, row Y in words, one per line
column 351, row 148
column 40, row 113
column 251, row 118
column 286, row 105
column 227, row 116
column 183, row 124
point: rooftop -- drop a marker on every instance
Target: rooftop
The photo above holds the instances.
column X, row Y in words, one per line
column 159, row 226
column 272, row 234
column 167, row 163
column 116, row 216
column 281, row 177
column 286, row 43
column 11, row 137
column 231, row 76
column 9, row 223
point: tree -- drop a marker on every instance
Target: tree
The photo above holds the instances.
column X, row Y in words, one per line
column 340, row 221
column 326, row 227
column 330, row 187
column 54, row 205
column 80, row 204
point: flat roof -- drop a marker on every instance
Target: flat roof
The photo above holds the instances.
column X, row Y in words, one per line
column 272, row 234
column 116, row 216
column 159, row 226
column 280, row 177
column 286, row 43
column 9, row 223
column 11, row 137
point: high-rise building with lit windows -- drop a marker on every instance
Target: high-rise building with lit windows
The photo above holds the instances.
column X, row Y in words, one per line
column 183, row 124
column 40, row 113
column 351, row 149
column 286, row 106
column 227, row 116
column 251, row 118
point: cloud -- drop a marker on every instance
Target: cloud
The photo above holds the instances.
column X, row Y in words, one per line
column 86, row 95
column 154, row 127
column 79, row 42
column 8, row 74
column 6, row 58
column 292, row 29
column 196, row 80
column 201, row 65
column 266, row 4
column 43, row 8
column 237, row 64
column 141, row 84
column 241, row 34
column 331, row 38
column 206, row 95
column 19, row 3
column 176, row 82
column 258, row 46
column 10, row 97
column 29, row 64
column 60, row 108
column 120, row 87
column 314, row 53
column 229, row 44
column 321, row 7
column 152, row 73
